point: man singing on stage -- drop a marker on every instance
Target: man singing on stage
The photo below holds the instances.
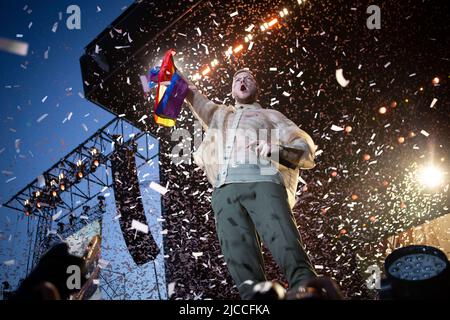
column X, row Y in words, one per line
column 252, row 157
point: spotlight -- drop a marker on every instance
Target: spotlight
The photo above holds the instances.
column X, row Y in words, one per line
column 54, row 193
column 80, row 169
column 62, row 186
column 382, row 110
column 418, row 272
column 431, row 176
column 94, row 151
column 95, row 164
column 435, row 81
column 27, row 208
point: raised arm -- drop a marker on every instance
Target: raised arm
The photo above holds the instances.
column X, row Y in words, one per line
column 202, row 108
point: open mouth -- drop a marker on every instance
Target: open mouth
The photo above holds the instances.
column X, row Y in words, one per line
column 243, row 88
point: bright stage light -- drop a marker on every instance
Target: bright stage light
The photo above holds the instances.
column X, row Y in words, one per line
column 206, row 71
column 431, row 176
column 238, row 48
column 214, row 63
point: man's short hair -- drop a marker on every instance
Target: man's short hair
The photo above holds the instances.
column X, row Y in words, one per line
column 243, row 70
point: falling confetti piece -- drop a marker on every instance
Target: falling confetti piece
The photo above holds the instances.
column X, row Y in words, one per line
column 340, row 78
column 9, row 262
column 56, row 215
column 139, row 226
column 42, row 117
column 171, row 289
column 433, row 102
column 158, row 188
column 426, row 134
column 13, row 46
column 197, row 254
column 336, row 128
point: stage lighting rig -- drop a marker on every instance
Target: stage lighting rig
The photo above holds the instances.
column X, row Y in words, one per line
column 79, row 174
column 28, row 209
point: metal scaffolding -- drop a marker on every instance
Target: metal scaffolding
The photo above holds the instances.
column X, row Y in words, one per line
column 75, row 180
column 45, row 194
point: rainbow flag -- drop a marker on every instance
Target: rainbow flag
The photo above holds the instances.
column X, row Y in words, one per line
column 168, row 99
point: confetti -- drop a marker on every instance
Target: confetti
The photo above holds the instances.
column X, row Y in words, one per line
column 426, row 134
column 13, row 46
column 433, row 102
column 336, row 128
column 340, row 78
column 42, row 117
column 158, row 188
column 9, row 262
column 136, row 225
column 171, row 289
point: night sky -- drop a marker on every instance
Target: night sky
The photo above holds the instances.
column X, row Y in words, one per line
column 42, row 84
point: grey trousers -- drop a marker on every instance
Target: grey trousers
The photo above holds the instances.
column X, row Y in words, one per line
column 244, row 212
